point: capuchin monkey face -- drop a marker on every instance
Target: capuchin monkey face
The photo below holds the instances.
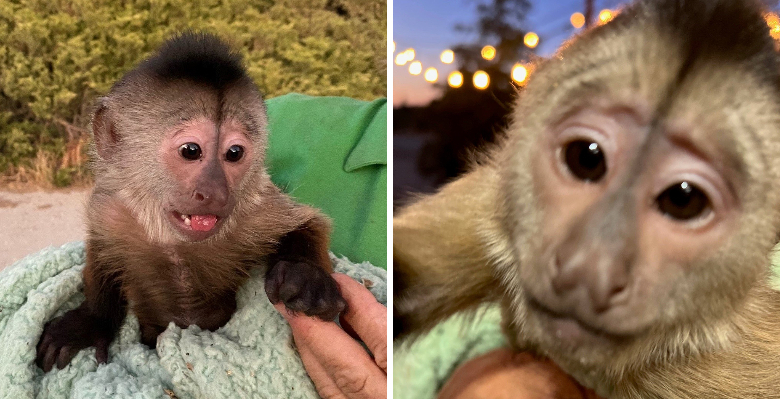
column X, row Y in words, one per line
column 628, row 188
column 207, row 160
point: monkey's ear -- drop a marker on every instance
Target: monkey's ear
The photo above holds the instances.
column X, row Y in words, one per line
column 103, row 129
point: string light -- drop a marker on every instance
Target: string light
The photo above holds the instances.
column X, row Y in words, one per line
column 455, row 79
column 531, row 39
column 481, row 80
column 392, row 47
column 431, row 75
column 400, row 59
column 447, row 56
column 415, row 68
column 605, row 16
column 577, row 20
column 488, row 52
column 409, row 54
column 519, row 73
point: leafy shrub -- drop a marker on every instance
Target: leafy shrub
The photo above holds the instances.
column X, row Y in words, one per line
column 57, row 56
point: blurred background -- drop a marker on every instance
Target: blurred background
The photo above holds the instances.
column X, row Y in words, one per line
column 56, row 57
column 459, row 64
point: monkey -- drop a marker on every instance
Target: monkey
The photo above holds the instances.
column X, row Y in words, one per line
column 183, row 208
column 624, row 223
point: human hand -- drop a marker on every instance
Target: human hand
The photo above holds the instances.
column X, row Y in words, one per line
column 506, row 374
column 338, row 365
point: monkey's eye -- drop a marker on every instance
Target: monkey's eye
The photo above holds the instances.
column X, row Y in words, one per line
column 190, row 151
column 234, row 153
column 585, row 160
column 683, row 201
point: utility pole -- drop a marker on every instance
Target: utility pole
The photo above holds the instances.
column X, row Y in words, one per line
column 588, row 13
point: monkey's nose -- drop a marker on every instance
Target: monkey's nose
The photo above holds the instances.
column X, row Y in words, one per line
column 603, row 278
column 205, row 197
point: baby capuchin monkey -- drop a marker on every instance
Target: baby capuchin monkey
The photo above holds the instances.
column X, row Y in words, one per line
column 625, row 223
column 183, row 207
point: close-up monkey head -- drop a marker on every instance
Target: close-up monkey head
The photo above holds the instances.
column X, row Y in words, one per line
column 639, row 185
column 195, row 125
column 625, row 221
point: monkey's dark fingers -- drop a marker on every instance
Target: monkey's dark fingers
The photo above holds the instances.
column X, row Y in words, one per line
column 65, row 356
column 50, row 357
column 101, row 351
column 305, row 288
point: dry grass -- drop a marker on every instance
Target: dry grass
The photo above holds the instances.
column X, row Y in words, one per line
column 47, row 170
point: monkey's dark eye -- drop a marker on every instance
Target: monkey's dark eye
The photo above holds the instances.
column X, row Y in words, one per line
column 190, row 151
column 585, row 160
column 683, row 201
column 234, row 153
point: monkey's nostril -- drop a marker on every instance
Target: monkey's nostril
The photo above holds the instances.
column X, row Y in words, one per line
column 199, row 197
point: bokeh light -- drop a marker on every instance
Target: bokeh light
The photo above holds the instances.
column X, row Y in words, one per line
column 605, row 16
column 488, row 52
column 409, row 53
column 400, row 59
column 481, row 80
column 447, row 56
column 531, row 39
column 415, row 68
column 519, row 73
column 431, row 75
column 577, row 20
column 455, row 79
column 392, row 47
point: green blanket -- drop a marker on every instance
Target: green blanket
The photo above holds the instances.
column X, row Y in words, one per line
column 252, row 356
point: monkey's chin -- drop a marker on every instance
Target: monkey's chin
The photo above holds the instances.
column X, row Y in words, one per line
column 571, row 333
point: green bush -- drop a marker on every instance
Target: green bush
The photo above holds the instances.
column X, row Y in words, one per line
column 56, row 57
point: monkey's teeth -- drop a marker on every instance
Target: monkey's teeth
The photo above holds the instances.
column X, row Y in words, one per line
column 186, row 219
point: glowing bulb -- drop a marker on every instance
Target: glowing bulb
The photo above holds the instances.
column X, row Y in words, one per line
column 519, row 73
column 431, row 74
column 392, row 47
column 415, row 68
column 409, row 53
column 455, row 79
column 447, row 56
column 488, row 52
column 400, row 59
column 577, row 20
column 605, row 16
column 481, row 80
column 531, row 39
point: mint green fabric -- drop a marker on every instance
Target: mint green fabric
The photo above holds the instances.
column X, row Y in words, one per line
column 422, row 368
column 252, row 356
column 331, row 153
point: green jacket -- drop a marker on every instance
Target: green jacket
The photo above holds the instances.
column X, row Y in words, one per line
column 331, row 153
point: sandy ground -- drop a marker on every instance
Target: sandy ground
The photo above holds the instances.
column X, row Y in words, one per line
column 31, row 221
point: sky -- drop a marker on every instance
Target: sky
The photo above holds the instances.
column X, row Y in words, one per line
column 428, row 26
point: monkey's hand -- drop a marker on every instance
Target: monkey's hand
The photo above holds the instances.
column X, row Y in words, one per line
column 66, row 335
column 304, row 287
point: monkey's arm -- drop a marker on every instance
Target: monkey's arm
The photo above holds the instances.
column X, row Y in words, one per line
column 299, row 271
column 441, row 256
column 94, row 323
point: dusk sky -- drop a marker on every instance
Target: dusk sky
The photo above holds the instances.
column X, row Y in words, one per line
column 428, row 26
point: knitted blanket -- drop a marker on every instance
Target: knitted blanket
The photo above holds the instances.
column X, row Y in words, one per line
column 252, row 356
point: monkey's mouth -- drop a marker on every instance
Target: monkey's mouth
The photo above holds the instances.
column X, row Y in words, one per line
column 196, row 226
column 569, row 329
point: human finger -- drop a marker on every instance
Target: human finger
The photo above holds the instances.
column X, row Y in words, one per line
column 366, row 316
